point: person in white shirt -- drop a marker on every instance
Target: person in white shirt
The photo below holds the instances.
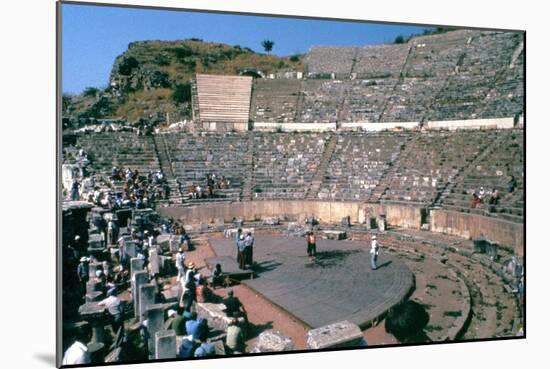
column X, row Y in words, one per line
column 180, row 260
column 78, row 353
column 113, row 305
column 374, row 247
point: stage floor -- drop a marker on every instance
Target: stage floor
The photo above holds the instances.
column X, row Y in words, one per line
column 338, row 285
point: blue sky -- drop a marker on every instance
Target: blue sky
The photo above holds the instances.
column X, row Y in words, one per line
column 93, row 36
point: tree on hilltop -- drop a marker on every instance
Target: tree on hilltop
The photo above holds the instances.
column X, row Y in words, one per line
column 268, row 45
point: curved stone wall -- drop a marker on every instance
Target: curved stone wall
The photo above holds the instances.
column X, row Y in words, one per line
column 465, row 225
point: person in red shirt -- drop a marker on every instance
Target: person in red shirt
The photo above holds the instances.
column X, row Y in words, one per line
column 311, row 244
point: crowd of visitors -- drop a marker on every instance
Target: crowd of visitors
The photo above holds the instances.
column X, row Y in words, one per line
column 123, row 188
column 212, row 182
column 112, row 277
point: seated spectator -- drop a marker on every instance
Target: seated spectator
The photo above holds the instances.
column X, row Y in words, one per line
column 205, row 350
column 493, row 200
column 475, row 201
column 197, row 327
column 217, row 276
column 235, row 338
column 178, row 324
column 204, row 294
column 233, row 306
column 192, row 192
column 187, row 347
column 481, row 194
column 511, row 185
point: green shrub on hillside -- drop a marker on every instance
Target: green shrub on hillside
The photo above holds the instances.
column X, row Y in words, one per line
column 182, row 93
column 128, row 65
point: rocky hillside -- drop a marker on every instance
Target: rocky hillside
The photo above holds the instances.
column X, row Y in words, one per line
column 151, row 78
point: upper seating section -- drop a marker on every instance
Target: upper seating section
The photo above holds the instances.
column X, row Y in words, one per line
column 321, row 101
column 325, row 60
column 464, row 74
column 484, row 85
column 275, row 100
column 223, row 98
column 437, row 55
column 380, row 61
column 366, row 99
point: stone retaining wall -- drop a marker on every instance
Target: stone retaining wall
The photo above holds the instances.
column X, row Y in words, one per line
column 465, row 225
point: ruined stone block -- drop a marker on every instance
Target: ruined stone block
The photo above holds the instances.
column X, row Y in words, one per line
column 334, row 235
column 165, row 344
column 341, row 334
column 272, row 341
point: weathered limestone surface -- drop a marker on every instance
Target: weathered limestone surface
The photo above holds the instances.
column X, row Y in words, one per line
column 341, row 334
column 334, row 235
column 271, row 341
column 165, row 344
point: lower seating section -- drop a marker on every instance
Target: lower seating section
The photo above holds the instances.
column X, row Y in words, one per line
column 432, row 168
column 284, row 164
column 358, row 163
column 195, row 156
column 122, row 149
column 429, row 162
column 492, row 170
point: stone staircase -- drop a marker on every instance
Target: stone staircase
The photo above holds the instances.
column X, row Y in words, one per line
column 383, row 184
column 322, row 168
column 195, row 101
column 452, row 187
column 249, row 178
column 165, row 162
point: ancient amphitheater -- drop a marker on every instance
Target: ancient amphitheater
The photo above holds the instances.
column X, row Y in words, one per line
column 388, row 140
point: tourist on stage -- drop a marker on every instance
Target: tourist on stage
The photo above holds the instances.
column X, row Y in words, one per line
column 311, row 244
column 237, row 238
column 242, row 252
column 248, row 248
column 374, row 248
